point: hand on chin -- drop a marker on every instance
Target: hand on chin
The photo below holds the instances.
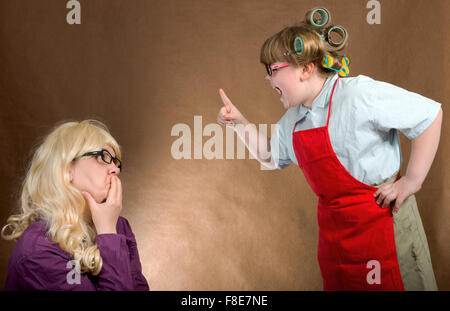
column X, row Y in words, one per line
column 105, row 197
column 99, row 198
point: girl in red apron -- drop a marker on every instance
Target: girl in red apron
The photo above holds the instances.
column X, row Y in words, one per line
column 338, row 132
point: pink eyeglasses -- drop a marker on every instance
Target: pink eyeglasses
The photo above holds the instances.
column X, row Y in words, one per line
column 271, row 68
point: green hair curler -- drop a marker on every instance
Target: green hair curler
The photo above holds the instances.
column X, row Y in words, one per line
column 341, row 31
column 299, row 46
column 322, row 21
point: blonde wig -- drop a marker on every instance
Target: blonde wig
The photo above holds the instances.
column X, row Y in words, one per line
column 280, row 47
column 48, row 195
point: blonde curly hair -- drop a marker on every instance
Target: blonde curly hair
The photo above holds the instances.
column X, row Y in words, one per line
column 48, row 195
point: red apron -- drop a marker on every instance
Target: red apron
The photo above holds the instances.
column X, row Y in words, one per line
column 353, row 229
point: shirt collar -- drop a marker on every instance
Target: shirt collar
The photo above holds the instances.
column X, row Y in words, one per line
column 322, row 99
column 300, row 112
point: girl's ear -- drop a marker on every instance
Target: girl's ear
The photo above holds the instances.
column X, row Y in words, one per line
column 309, row 68
column 306, row 71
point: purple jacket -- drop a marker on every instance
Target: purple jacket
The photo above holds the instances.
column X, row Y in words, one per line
column 38, row 264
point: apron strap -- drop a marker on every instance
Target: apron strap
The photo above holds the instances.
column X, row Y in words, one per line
column 329, row 108
column 331, row 99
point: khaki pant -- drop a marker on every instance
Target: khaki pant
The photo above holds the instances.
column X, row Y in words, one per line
column 412, row 248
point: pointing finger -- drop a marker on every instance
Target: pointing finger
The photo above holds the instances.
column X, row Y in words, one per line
column 226, row 101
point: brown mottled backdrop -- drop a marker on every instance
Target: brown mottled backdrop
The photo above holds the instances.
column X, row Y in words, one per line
column 143, row 66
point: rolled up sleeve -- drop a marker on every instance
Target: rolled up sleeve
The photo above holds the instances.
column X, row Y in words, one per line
column 392, row 107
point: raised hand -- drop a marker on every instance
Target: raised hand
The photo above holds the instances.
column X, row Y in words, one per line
column 229, row 114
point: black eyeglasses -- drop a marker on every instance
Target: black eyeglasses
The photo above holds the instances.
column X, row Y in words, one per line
column 105, row 156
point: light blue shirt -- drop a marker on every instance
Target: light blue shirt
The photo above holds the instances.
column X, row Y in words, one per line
column 365, row 117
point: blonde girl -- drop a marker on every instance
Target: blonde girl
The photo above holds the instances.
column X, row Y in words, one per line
column 70, row 235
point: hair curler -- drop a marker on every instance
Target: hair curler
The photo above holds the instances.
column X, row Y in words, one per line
column 336, row 45
column 319, row 17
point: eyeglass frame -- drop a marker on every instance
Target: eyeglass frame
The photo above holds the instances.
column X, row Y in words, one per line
column 100, row 153
column 271, row 68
